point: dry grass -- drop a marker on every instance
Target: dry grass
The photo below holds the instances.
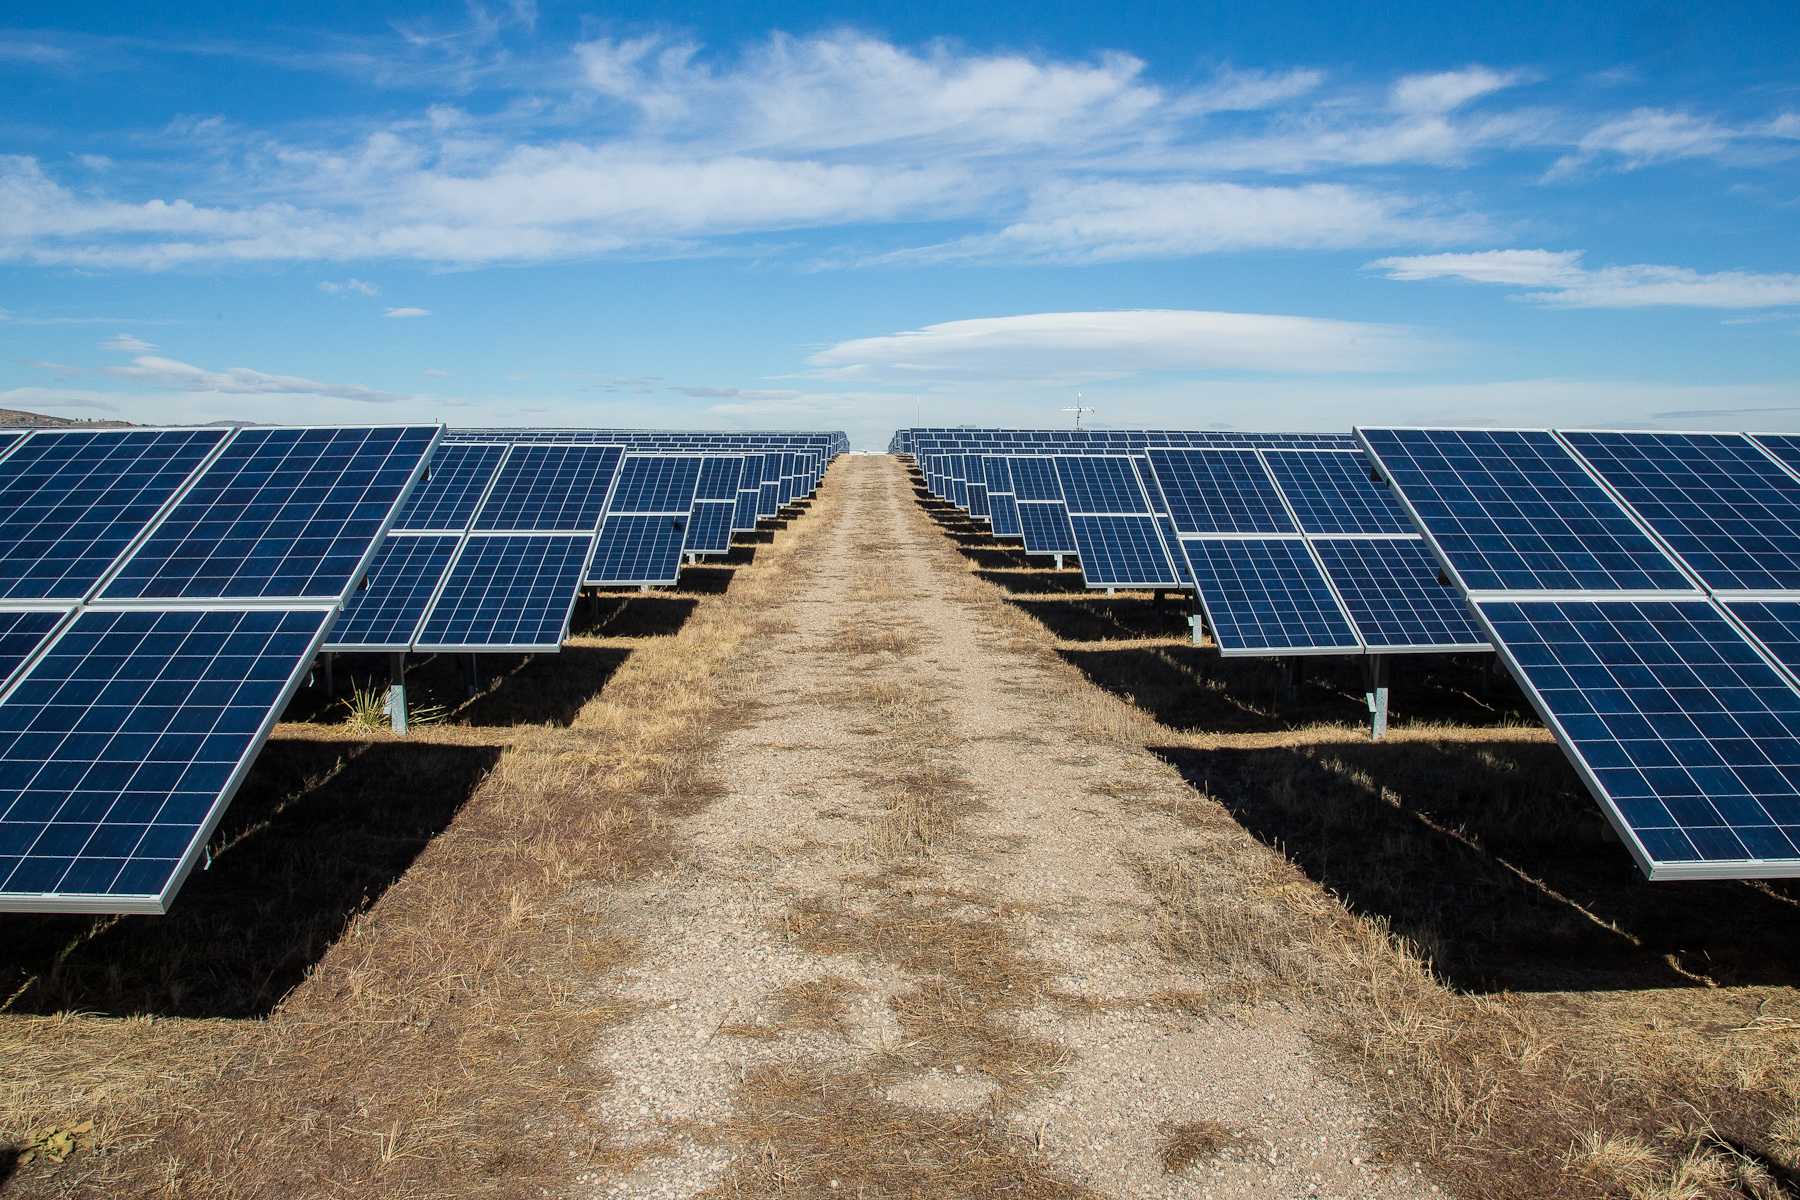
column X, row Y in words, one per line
column 1526, row 1016
column 811, row 1005
column 1189, row 1143
column 439, row 1044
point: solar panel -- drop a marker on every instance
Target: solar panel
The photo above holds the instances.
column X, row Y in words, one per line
column 1003, row 515
column 1690, row 740
column 1726, row 508
column 72, row 503
column 638, row 551
column 508, row 592
column 1177, row 558
column 1785, row 446
column 385, row 612
column 1511, row 510
column 1122, row 551
column 1219, row 491
column 1266, row 595
column 1393, row 592
column 1100, row 484
column 1034, row 478
column 1045, row 528
column 456, row 480
column 547, row 488
column 22, row 631
column 743, row 516
column 1331, row 491
column 709, row 528
column 122, row 744
column 719, row 475
column 653, row 483
column 281, row 512
column 1776, row 624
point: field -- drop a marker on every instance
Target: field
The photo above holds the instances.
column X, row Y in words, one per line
column 877, row 861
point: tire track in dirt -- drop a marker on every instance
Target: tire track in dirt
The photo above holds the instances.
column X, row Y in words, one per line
column 912, row 948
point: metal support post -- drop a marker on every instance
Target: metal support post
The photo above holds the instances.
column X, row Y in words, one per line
column 328, row 673
column 471, row 674
column 1059, row 559
column 396, row 697
column 1375, row 692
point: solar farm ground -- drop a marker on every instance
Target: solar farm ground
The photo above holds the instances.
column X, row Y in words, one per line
column 879, row 862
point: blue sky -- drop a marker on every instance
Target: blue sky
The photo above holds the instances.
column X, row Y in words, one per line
column 859, row 217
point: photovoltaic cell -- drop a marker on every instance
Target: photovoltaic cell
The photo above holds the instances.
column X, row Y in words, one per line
column 1330, row 491
column 508, row 590
column 1045, row 528
column 1776, row 624
column 446, row 498
column 1512, row 510
column 743, row 517
column 122, row 744
column 1100, row 484
column 1392, row 590
column 1729, row 511
column 1034, row 478
column 719, row 475
column 72, row 503
column 1122, row 551
column 21, row 633
column 1785, row 446
column 385, row 613
column 1003, row 514
column 1264, row 595
column 709, row 528
column 656, row 483
column 551, row 488
column 1219, row 491
column 638, row 551
column 1690, row 739
column 288, row 513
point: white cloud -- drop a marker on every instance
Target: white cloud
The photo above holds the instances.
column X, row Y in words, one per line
column 1564, row 283
column 125, row 343
column 1446, row 91
column 345, row 287
column 95, row 162
column 1099, row 222
column 1071, row 346
column 435, row 373
column 404, row 313
column 1647, row 136
column 241, row 381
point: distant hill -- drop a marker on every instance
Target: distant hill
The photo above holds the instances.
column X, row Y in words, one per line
column 13, row 418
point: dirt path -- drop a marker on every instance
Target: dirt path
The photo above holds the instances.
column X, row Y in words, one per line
column 913, row 949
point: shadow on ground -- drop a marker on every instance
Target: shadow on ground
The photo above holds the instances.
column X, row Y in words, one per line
column 317, row 833
column 1491, row 857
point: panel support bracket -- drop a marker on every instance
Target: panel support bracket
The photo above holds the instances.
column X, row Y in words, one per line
column 1375, row 693
column 396, row 697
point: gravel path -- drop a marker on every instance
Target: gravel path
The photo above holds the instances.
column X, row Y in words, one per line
column 884, row 669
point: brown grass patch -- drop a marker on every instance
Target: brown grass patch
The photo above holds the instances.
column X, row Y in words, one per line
column 1188, row 1143
column 812, row 1005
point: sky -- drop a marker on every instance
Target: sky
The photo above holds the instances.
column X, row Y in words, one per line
column 1272, row 216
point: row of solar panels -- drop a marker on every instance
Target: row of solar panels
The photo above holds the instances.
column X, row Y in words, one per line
column 163, row 592
column 1289, row 544
column 1643, row 588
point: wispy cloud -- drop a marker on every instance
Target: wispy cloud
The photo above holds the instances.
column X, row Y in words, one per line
column 1647, row 136
column 125, row 343
column 241, row 381
column 348, row 287
column 1558, row 278
column 1072, row 346
column 406, row 313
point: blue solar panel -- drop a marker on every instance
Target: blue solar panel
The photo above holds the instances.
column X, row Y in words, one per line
column 551, row 488
column 385, row 612
column 1393, row 591
column 709, row 528
column 1034, row 478
column 768, row 502
column 1330, row 491
column 458, row 476
column 122, row 744
column 508, row 591
column 1729, row 511
column 743, row 516
column 21, row 633
column 290, row 513
column 1045, row 528
column 656, row 483
column 1785, row 446
column 719, row 477
column 1122, row 552
column 1513, row 511
column 1688, row 737
column 978, row 500
column 72, row 503
column 1266, row 595
column 1776, row 624
column 1100, row 484
column 1219, row 491
column 1003, row 515
column 1177, row 558
column 997, row 474
column 638, row 550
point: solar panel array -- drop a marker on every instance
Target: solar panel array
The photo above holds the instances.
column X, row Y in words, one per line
column 1642, row 589
column 199, row 571
column 163, row 592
